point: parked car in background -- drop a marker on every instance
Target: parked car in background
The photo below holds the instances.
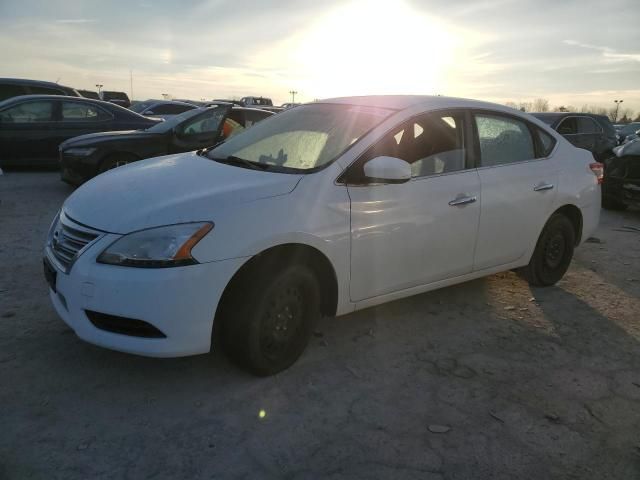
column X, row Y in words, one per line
column 621, row 186
column 14, row 87
column 256, row 102
column 323, row 209
column 626, row 130
column 33, row 126
column 119, row 98
column 226, row 100
column 89, row 94
column 84, row 157
column 584, row 130
column 162, row 108
column 289, row 105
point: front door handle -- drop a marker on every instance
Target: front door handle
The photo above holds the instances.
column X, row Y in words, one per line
column 542, row 187
column 459, row 201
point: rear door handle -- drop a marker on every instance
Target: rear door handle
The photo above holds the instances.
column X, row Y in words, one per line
column 542, row 187
column 458, row 202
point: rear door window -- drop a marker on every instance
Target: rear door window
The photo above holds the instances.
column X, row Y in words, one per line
column 28, row 112
column 503, row 140
column 82, row 112
column 587, row 125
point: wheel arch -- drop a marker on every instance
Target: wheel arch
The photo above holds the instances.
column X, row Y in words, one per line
column 275, row 257
column 574, row 214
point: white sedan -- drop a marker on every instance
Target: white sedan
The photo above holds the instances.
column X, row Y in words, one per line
column 324, row 209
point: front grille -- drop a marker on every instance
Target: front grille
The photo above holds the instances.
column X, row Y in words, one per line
column 68, row 240
column 123, row 325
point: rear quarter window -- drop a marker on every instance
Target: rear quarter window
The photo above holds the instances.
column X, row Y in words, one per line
column 545, row 143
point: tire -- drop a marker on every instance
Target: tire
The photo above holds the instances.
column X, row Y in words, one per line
column 116, row 160
column 611, row 204
column 268, row 318
column 553, row 253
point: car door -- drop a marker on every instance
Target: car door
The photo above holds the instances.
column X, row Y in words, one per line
column 199, row 131
column 421, row 231
column 590, row 132
column 518, row 181
column 25, row 132
column 80, row 118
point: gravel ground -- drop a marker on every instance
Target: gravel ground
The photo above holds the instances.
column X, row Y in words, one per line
column 488, row 379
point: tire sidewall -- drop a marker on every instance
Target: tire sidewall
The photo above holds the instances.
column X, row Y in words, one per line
column 545, row 274
column 303, row 278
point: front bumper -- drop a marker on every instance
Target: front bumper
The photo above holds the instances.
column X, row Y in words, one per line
column 78, row 169
column 180, row 302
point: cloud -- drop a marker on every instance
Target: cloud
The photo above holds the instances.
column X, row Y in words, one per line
column 607, row 53
column 77, row 21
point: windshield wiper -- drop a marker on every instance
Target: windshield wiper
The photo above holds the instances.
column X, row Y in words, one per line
column 243, row 162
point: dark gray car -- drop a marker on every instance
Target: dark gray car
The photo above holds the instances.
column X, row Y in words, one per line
column 584, row 130
column 14, row 87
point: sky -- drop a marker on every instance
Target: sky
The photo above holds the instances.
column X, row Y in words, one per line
column 570, row 52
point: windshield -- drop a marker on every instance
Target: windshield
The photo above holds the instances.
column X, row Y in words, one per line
column 167, row 125
column 140, row 106
column 302, row 138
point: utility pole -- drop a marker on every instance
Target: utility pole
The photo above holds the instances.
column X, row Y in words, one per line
column 293, row 95
column 615, row 117
column 131, row 83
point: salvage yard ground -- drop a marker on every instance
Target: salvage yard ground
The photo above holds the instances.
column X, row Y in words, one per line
column 489, row 379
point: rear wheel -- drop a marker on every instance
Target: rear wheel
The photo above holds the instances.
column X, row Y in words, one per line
column 553, row 253
column 268, row 319
column 116, row 160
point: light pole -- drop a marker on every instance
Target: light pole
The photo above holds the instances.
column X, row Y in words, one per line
column 293, row 95
column 99, row 87
column 615, row 117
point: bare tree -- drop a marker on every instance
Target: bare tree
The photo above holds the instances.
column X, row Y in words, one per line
column 540, row 105
column 525, row 106
column 625, row 115
column 511, row 104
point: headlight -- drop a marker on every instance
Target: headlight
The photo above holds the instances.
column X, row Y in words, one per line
column 79, row 152
column 159, row 247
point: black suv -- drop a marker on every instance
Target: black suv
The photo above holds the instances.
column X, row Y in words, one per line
column 119, row 98
column 14, row 87
column 584, row 130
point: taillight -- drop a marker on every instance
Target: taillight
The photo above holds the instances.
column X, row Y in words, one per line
column 598, row 170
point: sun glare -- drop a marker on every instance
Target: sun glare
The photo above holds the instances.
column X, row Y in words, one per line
column 374, row 47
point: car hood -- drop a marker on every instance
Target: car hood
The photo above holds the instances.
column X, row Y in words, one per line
column 168, row 190
column 93, row 138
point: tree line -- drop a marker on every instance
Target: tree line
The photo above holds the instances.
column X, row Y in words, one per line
column 624, row 115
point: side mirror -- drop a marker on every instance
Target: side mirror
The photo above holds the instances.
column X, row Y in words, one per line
column 387, row 170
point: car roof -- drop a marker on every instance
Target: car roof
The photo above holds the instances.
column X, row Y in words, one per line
column 61, row 98
column 251, row 109
column 402, row 102
column 26, row 81
column 171, row 102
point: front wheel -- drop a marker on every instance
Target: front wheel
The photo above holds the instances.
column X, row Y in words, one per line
column 553, row 253
column 268, row 320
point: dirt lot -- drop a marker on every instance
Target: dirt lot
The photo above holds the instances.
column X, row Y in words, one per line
column 528, row 383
